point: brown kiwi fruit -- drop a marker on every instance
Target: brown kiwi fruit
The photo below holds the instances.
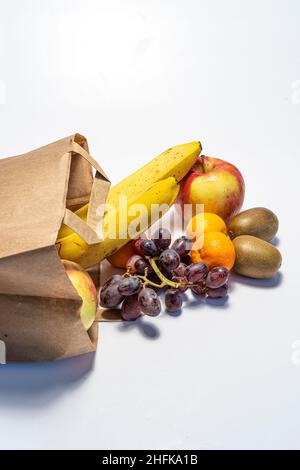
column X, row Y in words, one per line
column 258, row 222
column 255, row 257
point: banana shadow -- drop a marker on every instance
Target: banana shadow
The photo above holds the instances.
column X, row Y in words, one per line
column 37, row 384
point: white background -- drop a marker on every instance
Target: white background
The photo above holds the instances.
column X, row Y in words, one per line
column 137, row 77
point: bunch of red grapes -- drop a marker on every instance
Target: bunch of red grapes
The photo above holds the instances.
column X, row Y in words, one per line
column 158, row 267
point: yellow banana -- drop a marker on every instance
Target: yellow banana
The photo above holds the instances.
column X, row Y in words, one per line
column 134, row 216
column 176, row 161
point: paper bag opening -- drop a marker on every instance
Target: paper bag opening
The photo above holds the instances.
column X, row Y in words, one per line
column 39, row 307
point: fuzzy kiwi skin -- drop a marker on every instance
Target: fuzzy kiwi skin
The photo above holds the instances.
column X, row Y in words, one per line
column 258, row 222
column 255, row 257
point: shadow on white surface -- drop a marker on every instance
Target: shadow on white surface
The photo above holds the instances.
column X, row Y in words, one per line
column 147, row 329
column 275, row 241
column 195, row 301
column 263, row 283
column 39, row 383
column 175, row 314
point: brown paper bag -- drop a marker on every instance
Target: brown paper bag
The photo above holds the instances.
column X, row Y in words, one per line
column 39, row 307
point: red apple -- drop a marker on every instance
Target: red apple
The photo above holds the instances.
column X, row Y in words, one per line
column 86, row 289
column 215, row 183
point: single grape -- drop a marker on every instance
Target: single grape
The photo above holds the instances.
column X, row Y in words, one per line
column 132, row 261
column 182, row 245
column 110, row 296
column 130, row 308
column 137, row 264
column 199, row 288
column 173, row 300
column 169, row 259
column 217, row 277
column 181, row 280
column 217, row 293
column 180, row 270
column 162, row 238
column 149, row 302
column 149, row 248
column 115, row 279
column 129, row 286
column 166, row 272
column 141, row 265
column 137, row 246
column 196, row 272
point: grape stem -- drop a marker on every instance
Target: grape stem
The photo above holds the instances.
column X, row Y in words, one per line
column 148, row 282
column 164, row 280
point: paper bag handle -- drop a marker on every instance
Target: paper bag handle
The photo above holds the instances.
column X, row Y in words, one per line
column 100, row 188
column 81, row 228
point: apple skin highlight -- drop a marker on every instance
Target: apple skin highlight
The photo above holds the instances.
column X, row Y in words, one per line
column 86, row 289
column 216, row 184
